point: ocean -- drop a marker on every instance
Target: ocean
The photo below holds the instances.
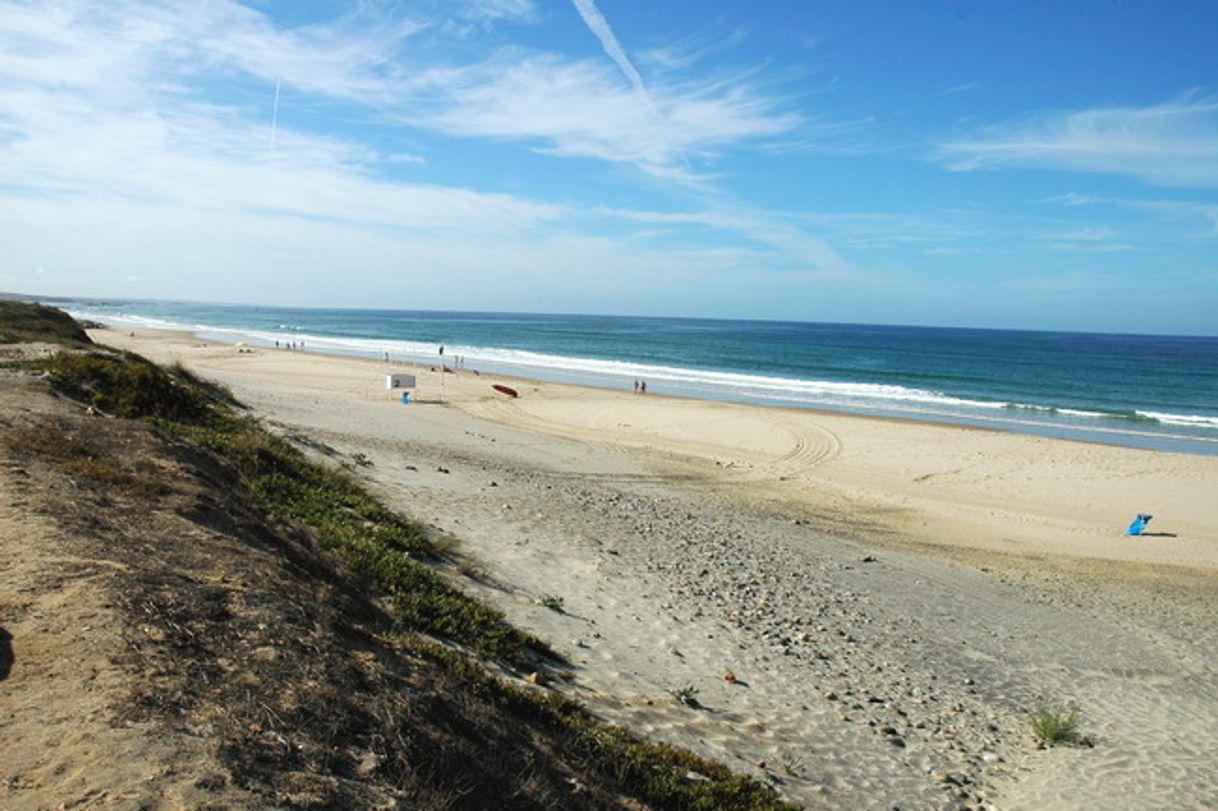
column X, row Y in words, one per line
column 1137, row 390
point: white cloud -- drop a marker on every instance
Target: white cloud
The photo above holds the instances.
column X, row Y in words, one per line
column 944, row 251
column 1170, row 144
column 139, row 53
column 963, row 87
column 578, row 109
column 110, row 131
column 1164, row 210
column 1093, row 247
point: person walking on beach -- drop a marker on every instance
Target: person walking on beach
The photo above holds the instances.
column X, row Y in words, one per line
column 636, row 387
column 642, row 387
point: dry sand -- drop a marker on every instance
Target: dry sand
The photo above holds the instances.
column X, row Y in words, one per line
column 892, row 597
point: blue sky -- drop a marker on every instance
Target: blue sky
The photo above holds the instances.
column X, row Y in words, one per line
column 997, row 164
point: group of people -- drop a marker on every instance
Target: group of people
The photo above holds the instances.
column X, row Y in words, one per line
column 640, row 387
column 290, row 345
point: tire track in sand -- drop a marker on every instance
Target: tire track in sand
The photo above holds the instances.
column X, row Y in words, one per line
column 810, row 444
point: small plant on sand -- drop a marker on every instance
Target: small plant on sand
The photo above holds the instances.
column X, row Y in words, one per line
column 446, row 545
column 791, row 765
column 1053, row 723
column 474, row 570
column 552, row 602
column 687, row 695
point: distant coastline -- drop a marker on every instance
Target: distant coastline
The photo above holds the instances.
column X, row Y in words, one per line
column 1138, row 391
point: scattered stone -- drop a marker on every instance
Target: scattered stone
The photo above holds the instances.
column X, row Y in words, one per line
column 537, row 677
column 729, row 677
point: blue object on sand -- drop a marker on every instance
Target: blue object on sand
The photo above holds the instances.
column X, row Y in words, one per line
column 1139, row 524
column 406, row 399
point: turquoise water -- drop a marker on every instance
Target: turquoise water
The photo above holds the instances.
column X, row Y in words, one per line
column 1144, row 391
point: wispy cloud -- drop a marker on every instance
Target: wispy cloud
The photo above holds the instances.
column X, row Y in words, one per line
column 945, row 251
column 76, row 65
column 964, row 87
column 785, row 245
column 1092, row 234
column 101, row 107
column 110, row 120
column 1185, row 211
column 691, row 49
column 1170, row 144
column 578, row 109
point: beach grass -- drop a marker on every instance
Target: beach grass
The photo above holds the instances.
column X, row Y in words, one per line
column 1053, row 723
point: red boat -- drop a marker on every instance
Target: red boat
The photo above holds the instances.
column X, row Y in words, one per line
column 502, row 389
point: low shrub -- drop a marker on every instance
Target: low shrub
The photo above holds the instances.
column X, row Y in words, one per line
column 1053, row 723
column 27, row 322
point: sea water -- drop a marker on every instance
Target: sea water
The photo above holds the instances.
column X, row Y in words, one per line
column 1137, row 390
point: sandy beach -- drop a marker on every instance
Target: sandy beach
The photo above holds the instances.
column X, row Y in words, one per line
column 891, row 598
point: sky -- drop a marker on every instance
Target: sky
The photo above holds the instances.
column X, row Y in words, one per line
column 1000, row 163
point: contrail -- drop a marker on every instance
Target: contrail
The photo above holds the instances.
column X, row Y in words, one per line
column 275, row 116
column 599, row 26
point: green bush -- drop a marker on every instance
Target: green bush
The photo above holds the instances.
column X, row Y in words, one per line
column 26, row 322
column 128, row 386
column 1053, row 723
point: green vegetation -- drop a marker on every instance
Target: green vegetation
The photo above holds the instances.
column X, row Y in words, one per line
column 1052, row 724
column 129, row 386
column 395, row 553
column 26, row 322
column 687, row 695
column 551, row 602
column 661, row 774
column 471, row 568
column 791, row 765
column 368, row 537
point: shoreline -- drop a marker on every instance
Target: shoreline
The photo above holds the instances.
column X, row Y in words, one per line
column 1056, row 423
column 684, row 539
